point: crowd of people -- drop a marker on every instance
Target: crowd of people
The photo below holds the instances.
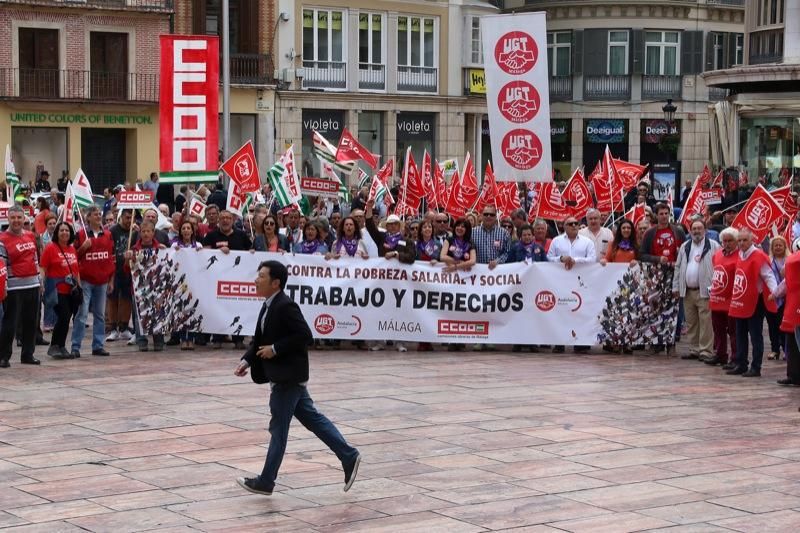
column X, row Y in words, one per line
column 56, row 273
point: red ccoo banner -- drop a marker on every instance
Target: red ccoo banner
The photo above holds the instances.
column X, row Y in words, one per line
column 189, row 107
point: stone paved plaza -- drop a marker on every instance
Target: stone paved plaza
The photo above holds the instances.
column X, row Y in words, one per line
column 451, row 442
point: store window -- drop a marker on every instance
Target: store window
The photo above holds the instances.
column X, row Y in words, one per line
column 35, row 149
column 770, row 146
column 370, row 135
column 661, row 56
column 618, row 41
column 561, row 148
column 323, row 37
column 559, row 50
column 330, row 124
column 417, row 130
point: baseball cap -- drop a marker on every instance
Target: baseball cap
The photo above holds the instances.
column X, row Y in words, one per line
column 392, row 219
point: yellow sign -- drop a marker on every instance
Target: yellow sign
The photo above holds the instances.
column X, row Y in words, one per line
column 477, row 81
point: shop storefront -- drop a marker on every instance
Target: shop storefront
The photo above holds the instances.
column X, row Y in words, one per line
column 597, row 133
column 660, row 141
column 561, row 147
column 417, row 130
column 110, row 146
column 370, row 135
column 770, row 146
column 330, row 124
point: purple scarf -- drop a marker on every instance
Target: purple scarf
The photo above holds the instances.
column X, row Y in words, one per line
column 427, row 248
column 460, row 248
column 529, row 249
column 391, row 239
column 309, row 247
column 625, row 244
column 350, row 246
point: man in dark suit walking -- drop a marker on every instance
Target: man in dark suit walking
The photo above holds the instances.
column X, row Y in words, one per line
column 279, row 355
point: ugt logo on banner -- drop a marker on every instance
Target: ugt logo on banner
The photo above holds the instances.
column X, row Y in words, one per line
column 189, row 108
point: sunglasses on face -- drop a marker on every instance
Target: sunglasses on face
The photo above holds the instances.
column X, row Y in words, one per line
column 509, row 226
column 269, row 223
column 570, row 223
column 490, row 214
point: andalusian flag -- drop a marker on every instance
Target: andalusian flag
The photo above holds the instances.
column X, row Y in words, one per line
column 284, row 180
column 279, row 187
column 82, row 190
column 363, row 179
column 325, row 151
column 12, row 180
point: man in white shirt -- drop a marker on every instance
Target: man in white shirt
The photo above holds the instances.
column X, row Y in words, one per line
column 601, row 237
column 694, row 273
column 569, row 249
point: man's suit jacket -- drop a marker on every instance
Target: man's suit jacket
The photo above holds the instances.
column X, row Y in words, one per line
column 286, row 329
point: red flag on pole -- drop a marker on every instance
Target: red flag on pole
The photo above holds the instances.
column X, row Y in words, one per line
column 629, row 173
column 786, row 200
column 242, row 168
column 577, row 195
column 759, row 214
column 718, row 180
column 547, row 202
column 411, row 189
column 428, row 185
column 350, row 149
column 636, row 213
column 508, row 197
column 463, row 192
column 695, row 204
column 705, row 176
column 489, row 192
column 440, row 185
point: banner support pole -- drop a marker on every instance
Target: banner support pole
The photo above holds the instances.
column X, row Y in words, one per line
column 226, row 79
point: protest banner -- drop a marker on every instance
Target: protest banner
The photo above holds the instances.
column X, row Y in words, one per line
column 538, row 303
column 135, row 199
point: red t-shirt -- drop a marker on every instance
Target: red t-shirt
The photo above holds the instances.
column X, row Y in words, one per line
column 791, row 310
column 55, row 265
column 666, row 244
column 3, row 280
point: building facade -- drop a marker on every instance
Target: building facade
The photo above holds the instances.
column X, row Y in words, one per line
column 396, row 74
column 759, row 125
column 79, row 83
column 614, row 65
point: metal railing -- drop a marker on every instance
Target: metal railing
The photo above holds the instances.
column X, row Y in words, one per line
column 661, row 86
column 158, row 6
column 47, row 84
column 560, row 88
column 716, row 94
column 372, row 76
column 606, row 87
column 735, row 3
column 418, row 79
column 251, row 69
column 325, row 75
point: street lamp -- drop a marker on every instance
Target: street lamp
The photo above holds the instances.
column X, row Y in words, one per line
column 669, row 111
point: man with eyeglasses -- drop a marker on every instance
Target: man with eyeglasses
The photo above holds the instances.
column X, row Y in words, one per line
column 441, row 227
column 490, row 240
column 569, row 249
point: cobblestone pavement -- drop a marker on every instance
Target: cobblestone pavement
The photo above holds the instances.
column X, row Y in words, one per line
column 451, row 442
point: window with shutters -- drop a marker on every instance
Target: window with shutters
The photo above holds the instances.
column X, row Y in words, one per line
column 719, row 51
column 559, row 51
column 38, row 63
column 739, row 59
column 242, row 23
column 618, row 49
column 661, row 53
column 770, row 12
column 108, row 60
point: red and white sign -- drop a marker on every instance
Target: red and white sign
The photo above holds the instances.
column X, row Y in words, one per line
column 135, row 199
column 4, row 212
column 197, row 207
column 759, row 214
column 188, row 108
column 319, row 186
column 545, row 301
column 324, row 324
column 243, row 169
column 236, row 289
column 577, row 195
column 350, row 149
column 712, row 196
column 518, row 96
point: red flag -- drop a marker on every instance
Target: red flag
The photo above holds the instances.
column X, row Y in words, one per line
column 606, row 194
column 350, row 149
column 719, row 180
column 784, row 176
column 242, row 168
column 508, row 197
column 411, row 189
column 695, row 204
column 428, row 186
column 463, row 192
column 440, row 185
column 489, row 192
column 629, row 173
column 759, row 214
column 547, row 203
column 744, row 179
column 577, row 195
column 786, row 200
column 636, row 213
column 613, row 179
column 705, row 176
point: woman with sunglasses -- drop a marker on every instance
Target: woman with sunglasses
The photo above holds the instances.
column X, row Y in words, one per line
column 508, row 225
column 270, row 240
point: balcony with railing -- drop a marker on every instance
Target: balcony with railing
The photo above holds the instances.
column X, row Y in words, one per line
column 607, row 87
column 325, row 75
column 153, row 6
column 78, row 85
column 251, row 69
column 717, row 94
column 418, row 79
column 371, row 77
column 657, row 87
column 560, row 88
column 731, row 3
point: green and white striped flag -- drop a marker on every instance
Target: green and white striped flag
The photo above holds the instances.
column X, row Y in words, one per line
column 12, row 180
column 279, row 187
column 325, row 151
column 82, row 190
column 363, row 179
column 284, row 180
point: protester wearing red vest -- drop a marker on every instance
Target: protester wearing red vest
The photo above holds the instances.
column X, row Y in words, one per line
column 97, row 265
column 19, row 252
column 3, row 286
column 790, row 287
column 719, row 300
column 753, row 273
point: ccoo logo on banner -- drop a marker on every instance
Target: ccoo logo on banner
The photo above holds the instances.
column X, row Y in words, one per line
column 517, row 95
